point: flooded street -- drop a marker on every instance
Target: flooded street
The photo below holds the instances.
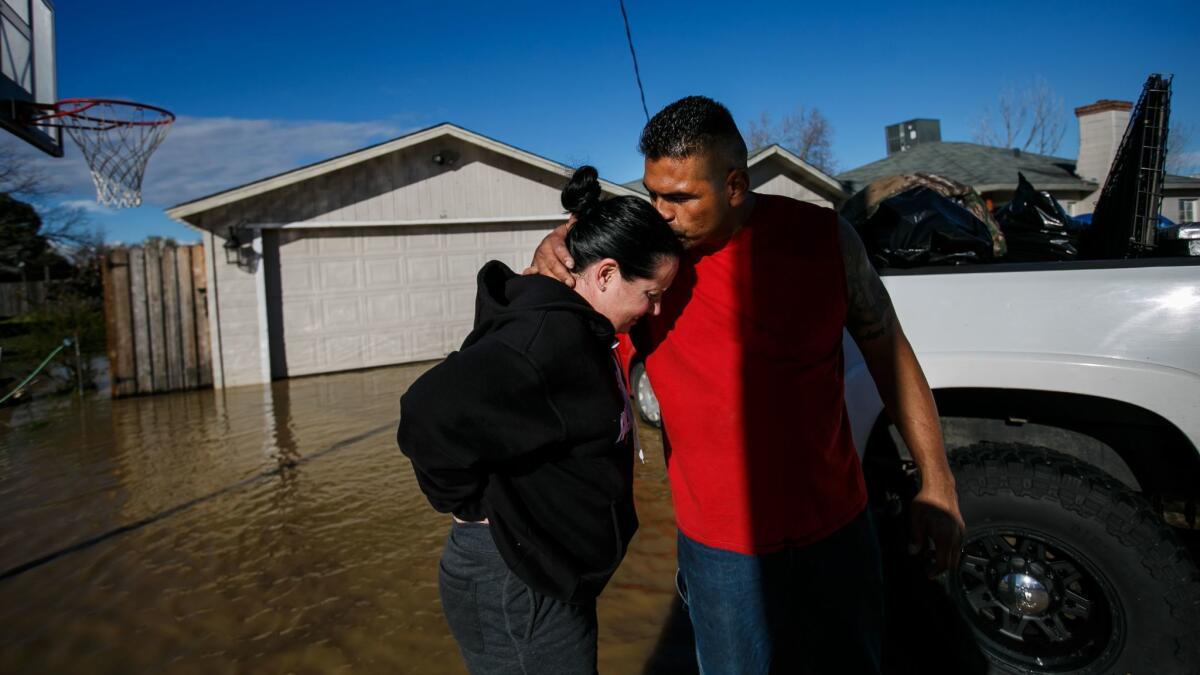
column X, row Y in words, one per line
column 261, row 529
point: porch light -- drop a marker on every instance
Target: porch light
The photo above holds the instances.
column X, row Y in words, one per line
column 238, row 248
column 232, row 245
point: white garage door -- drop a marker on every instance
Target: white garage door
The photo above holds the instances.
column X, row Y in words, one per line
column 361, row 297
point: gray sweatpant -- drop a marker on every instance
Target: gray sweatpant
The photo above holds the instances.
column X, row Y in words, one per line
column 502, row 626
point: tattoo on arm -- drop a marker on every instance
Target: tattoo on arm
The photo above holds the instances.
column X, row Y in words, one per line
column 870, row 314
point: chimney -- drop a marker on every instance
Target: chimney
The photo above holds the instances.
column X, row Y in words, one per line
column 902, row 136
column 1101, row 127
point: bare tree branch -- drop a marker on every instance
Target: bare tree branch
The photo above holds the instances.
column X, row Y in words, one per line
column 1032, row 119
column 67, row 229
column 807, row 133
column 760, row 133
column 1182, row 157
column 19, row 176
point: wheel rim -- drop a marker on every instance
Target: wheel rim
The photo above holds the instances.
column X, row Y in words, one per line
column 647, row 402
column 1034, row 601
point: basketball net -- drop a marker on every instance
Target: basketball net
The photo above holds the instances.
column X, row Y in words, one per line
column 116, row 139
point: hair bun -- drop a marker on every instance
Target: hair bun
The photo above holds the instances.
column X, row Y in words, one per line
column 582, row 192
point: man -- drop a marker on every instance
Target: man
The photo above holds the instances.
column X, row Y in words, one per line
column 778, row 560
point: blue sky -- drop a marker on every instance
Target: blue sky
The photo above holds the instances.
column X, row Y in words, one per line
column 263, row 87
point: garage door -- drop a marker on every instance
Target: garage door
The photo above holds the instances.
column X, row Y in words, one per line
column 350, row 298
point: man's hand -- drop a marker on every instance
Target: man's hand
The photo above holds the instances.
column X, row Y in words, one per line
column 552, row 258
column 871, row 321
column 937, row 521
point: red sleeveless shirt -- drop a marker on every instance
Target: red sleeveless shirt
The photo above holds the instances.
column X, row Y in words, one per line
column 746, row 361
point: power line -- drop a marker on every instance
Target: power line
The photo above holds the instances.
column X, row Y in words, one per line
column 636, row 73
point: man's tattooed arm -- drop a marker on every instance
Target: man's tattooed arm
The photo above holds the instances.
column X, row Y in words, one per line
column 870, row 313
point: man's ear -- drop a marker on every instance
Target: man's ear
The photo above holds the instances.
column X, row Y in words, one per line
column 737, row 186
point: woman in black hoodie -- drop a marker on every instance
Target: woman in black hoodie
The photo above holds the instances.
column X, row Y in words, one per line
column 526, row 436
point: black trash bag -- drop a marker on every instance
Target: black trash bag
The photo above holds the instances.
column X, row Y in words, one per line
column 1037, row 227
column 921, row 227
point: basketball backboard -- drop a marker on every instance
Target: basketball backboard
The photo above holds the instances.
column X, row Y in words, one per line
column 27, row 73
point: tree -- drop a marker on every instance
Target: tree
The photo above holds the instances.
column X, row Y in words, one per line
column 806, row 132
column 1181, row 158
column 62, row 227
column 38, row 236
column 19, row 176
column 20, row 240
column 156, row 241
column 1031, row 119
column 26, row 248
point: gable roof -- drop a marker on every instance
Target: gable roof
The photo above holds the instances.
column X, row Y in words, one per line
column 1173, row 182
column 263, row 185
column 986, row 168
column 983, row 167
column 820, row 180
column 824, row 182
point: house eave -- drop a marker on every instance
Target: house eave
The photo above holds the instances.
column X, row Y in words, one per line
column 828, row 186
column 182, row 212
column 1049, row 187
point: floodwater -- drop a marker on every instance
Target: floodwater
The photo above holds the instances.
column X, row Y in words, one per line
column 272, row 529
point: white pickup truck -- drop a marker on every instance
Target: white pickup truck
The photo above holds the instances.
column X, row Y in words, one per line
column 1070, row 400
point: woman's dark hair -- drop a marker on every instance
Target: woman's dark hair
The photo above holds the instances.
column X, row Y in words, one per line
column 626, row 229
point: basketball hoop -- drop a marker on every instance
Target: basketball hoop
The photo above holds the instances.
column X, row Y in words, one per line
column 116, row 138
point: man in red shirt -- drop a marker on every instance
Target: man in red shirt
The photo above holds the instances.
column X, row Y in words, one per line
column 778, row 559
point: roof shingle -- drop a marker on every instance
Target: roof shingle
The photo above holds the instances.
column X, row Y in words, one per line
column 980, row 166
column 986, row 168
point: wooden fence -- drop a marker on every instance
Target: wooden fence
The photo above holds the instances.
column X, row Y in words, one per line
column 21, row 297
column 157, row 319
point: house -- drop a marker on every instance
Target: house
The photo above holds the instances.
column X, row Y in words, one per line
column 992, row 172
column 1076, row 183
column 775, row 170
column 367, row 259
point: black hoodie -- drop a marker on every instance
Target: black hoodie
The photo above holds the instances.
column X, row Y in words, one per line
column 522, row 426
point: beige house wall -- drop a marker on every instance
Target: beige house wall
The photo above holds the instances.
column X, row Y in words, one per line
column 1170, row 204
column 406, row 185
column 784, row 185
column 403, row 189
column 1088, row 203
column 772, row 178
column 238, row 320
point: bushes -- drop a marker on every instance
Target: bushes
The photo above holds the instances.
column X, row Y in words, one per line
column 74, row 309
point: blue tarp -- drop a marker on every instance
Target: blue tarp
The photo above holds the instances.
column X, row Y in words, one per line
column 1163, row 221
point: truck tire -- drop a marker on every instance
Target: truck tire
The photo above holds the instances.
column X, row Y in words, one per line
column 643, row 395
column 1066, row 570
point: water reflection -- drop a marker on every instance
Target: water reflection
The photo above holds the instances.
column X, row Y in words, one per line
column 261, row 529
column 283, row 450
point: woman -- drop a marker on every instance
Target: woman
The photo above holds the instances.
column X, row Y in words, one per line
column 525, row 435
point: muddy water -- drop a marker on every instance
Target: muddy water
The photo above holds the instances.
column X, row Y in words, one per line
column 260, row 530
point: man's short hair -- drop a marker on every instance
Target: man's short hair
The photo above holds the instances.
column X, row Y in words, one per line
column 695, row 125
